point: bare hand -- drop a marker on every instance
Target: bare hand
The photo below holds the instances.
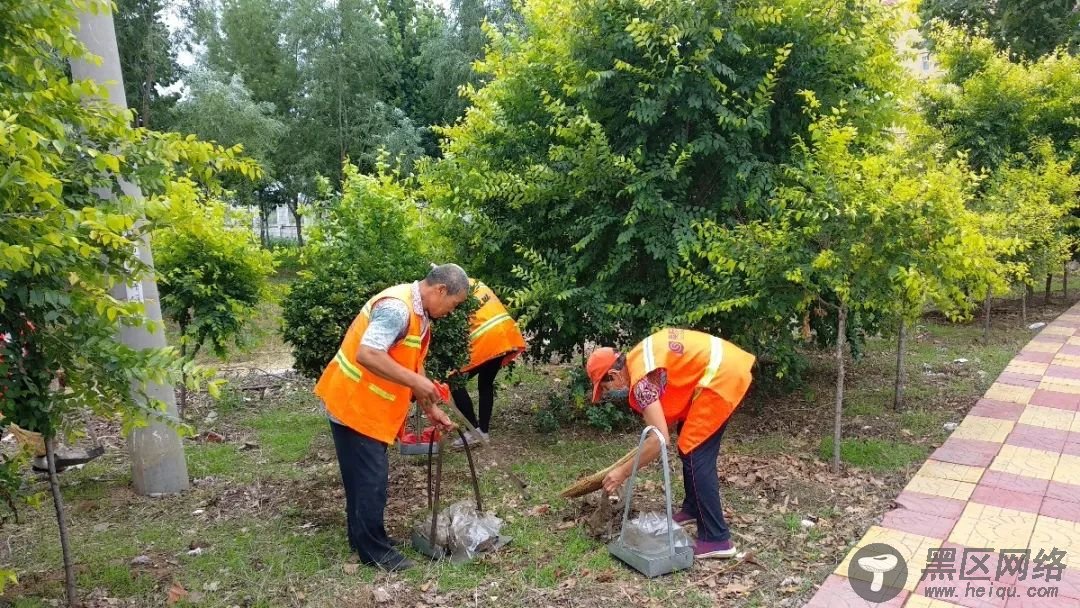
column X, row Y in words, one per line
column 425, row 393
column 439, row 418
column 614, row 480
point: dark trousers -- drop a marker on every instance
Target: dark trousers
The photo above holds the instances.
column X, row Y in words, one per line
column 364, row 470
column 702, row 483
column 486, row 373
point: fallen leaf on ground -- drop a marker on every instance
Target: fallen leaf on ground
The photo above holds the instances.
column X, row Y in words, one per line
column 351, row 568
column 176, row 593
column 381, row 595
column 735, row 588
column 538, row 510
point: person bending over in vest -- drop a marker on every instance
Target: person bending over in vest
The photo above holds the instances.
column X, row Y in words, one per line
column 693, row 379
column 494, row 341
column 367, row 388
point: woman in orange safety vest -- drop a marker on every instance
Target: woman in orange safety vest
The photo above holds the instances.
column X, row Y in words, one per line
column 693, row 379
column 494, row 341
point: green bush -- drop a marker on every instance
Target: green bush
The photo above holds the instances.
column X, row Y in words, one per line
column 367, row 241
column 213, row 276
column 449, row 349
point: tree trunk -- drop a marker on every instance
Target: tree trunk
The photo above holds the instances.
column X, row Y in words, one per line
column 986, row 317
column 58, row 502
column 264, row 226
column 295, row 210
column 1049, row 279
column 901, row 346
column 1023, row 306
column 841, row 342
column 1065, row 282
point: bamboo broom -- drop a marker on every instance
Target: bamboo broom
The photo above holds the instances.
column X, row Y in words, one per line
column 592, row 483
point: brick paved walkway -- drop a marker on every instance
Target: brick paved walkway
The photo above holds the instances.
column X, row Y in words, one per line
column 1008, row 478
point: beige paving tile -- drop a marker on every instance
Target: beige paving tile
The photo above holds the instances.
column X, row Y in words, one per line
column 1027, row 367
column 995, row 527
column 948, row 470
column 1068, row 469
column 1007, row 392
column 1043, row 347
column 1057, row 330
column 1051, row 533
column 1067, row 360
column 935, row 486
column 983, row 429
column 1061, row 385
column 1047, row 417
column 1025, row 461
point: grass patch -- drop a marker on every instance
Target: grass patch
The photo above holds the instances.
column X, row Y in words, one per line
column 215, row 459
column 765, row 445
column 923, row 422
column 286, row 435
column 876, row 454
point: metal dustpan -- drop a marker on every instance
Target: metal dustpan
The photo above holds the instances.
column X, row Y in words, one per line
column 420, row 447
column 425, row 541
column 661, row 562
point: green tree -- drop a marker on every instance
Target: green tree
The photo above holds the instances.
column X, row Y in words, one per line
column 148, row 61
column 993, row 108
column 220, row 108
column 848, row 235
column 1026, row 28
column 68, row 231
column 609, row 128
column 213, row 276
column 365, row 242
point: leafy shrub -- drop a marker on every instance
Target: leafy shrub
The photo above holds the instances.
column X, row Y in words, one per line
column 449, row 349
column 367, row 241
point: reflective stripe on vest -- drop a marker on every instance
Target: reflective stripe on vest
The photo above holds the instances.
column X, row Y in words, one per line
column 488, row 325
column 347, row 366
column 650, row 356
column 716, row 357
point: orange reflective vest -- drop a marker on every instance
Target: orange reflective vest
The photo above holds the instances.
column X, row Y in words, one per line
column 493, row 333
column 707, row 377
column 357, row 397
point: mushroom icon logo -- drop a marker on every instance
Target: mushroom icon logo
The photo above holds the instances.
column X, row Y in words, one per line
column 877, row 572
column 879, row 565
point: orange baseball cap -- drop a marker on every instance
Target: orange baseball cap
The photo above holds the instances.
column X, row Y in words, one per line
column 598, row 365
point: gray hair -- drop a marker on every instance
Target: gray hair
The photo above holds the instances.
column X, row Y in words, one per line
column 451, row 275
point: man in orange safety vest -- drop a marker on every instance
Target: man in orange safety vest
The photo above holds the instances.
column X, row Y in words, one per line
column 693, row 379
column 367, row 388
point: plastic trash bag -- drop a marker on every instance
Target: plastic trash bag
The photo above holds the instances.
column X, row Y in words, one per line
column 648, row 533
column 462, row 532
column 471, row 532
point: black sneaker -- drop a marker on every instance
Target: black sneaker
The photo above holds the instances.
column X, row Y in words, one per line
column 395, row 562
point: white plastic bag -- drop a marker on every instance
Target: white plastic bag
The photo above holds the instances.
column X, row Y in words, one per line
column 462, row 532
column 471, row 532
column 648, row 533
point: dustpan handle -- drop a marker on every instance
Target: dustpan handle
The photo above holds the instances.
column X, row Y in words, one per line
column 433, row 498
column 472, row 471
column 667, row 486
